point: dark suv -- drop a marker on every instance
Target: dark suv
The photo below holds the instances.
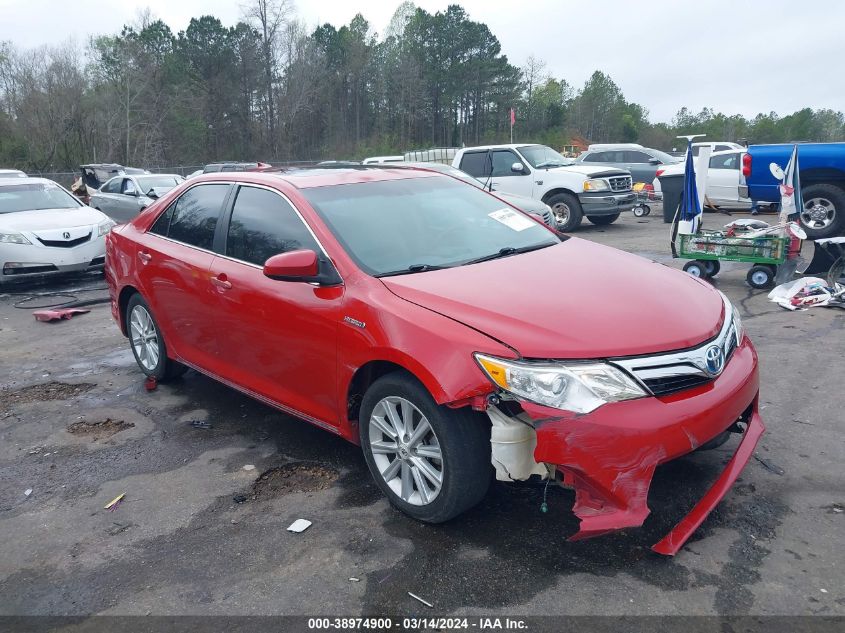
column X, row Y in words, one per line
column 642, row 162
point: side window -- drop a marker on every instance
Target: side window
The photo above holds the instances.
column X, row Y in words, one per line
column 502, row 161
column 112, row 186
column 632, row 156
column 475, row 164
column 129, row 187
column 720, row 148
column 595, row 157
column 264, row 224
column 727, row 161
column 194, row 216
column 162, row 224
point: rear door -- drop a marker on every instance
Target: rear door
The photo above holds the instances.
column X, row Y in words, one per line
column 280, row 337
column 174, row 259
column 104, row 199
column 723, row 178
column 124, row 206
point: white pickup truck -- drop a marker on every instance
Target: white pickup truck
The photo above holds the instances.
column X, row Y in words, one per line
column 539, row 172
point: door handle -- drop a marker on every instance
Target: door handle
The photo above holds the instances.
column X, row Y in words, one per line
column 144, row 257
column 221, row 281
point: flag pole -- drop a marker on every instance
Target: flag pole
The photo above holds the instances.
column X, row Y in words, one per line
column 513, row 118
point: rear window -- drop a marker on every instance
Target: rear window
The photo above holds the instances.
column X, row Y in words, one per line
column 476, row 164
column 33, row 196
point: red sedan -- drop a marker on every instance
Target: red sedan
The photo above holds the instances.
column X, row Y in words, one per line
column 444, row 332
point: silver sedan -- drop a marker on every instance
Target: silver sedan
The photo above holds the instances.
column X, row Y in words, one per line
column 123, row 197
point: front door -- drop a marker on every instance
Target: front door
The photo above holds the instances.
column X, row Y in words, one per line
column 277, row 338
column 506, row 179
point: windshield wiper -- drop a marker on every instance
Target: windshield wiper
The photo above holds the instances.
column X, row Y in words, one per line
column 549, row 163
column 413, row 268
column 509, row 250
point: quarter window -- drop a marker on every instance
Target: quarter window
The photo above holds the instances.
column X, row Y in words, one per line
column 264, row 224
column 193, row 218
column 476, row 164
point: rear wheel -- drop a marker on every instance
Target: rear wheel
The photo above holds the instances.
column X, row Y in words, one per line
column 602, row 220
column 147, row 342
column 567, row 211
column 432, row 462
column 760, row 276
column 696, row 269
column 823, row 213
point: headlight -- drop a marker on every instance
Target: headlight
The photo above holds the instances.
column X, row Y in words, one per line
column 13, row 238
column 104, row 227
column 737, row 321
column 580, row 387
column 596, row 184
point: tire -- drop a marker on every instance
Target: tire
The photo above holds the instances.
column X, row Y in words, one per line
column 823, row 213
column 712, row 267
column 641, row 210
column 696, row 269
column 460, row 436
column 567, row 211
column 603, row 220
column 760, row 277
column 151, row 356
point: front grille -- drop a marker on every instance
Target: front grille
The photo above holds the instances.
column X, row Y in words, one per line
column 98, row 261
column 65, row 243
column 10, row 269
column 672, row 384
column 620, row 183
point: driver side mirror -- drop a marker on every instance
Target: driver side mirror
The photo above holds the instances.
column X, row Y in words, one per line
column 654, row 161
column 517, row 168
column 301, row 265
column 152, row 194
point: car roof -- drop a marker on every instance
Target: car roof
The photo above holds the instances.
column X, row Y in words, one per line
column 11, row 171
column 32, row 180
column 500, row 146
column 322, row 176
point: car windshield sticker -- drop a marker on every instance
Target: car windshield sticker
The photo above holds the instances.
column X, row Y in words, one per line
column 512, row 219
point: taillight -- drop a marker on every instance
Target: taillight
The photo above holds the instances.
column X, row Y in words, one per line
column 659, row 172
column 746, row 165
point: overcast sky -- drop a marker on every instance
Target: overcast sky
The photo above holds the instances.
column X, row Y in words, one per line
column 736, row 56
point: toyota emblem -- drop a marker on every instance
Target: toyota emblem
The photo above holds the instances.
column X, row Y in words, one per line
column 714, row 358
column 66, row 235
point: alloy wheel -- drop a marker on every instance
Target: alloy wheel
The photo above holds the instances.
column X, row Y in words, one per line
column 406, row 450
column 144, row 338
column 818, row 213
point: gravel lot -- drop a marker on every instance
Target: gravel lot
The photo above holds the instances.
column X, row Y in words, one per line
column 197, row 533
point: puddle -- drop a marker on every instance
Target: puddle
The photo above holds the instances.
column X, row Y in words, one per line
column 295, row 477
column 45, row 391
column 99, row 430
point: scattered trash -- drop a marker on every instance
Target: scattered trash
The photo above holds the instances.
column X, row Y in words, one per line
column 249, row 467
column 418, row 599
column 27, row 492
column 57, row 315
column 354, row 579
column 808, row 292
column 239, row 498
column 771, row 467
column 150, row 383
column 823, row 590
column 300, row 525
column 111, row 505
column 200, row 424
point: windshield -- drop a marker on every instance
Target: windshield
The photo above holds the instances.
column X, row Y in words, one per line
column 542, row 156
column 32, row 196
column 416, row 224
column 157, row 182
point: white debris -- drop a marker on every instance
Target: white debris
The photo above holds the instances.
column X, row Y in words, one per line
column 823, row 590
column 27, row 492
column 417, row 598
column 300, row 525
column 354, row 579
column 249, row 467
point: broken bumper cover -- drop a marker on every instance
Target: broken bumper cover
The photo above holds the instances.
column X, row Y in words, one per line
column 609, row 456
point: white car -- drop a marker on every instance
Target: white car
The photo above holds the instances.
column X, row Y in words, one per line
column 716, row 146
column 12, row 173
column 724, row 178
column 572, row 191
column 45, row 230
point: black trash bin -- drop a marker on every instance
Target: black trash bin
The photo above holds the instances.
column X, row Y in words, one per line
column 673, row 188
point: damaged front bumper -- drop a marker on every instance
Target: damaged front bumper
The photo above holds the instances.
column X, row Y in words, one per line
column 609, row 455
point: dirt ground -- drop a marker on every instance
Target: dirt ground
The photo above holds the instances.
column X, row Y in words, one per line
column 200, row 532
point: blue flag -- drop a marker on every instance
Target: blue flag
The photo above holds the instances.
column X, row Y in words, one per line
column 690, row 205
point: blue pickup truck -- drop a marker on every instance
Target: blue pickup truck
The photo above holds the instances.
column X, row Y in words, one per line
column 822, row 170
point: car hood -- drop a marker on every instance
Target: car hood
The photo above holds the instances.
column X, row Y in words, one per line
column 41, row 219
column 577, row 299
column 586, row 170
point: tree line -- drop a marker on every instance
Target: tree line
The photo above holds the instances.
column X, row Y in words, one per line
column 270, row 89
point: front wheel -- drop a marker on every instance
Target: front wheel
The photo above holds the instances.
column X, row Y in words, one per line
column 602, row 220
column 147, row 342
column 567, row 211
column 431, row 462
